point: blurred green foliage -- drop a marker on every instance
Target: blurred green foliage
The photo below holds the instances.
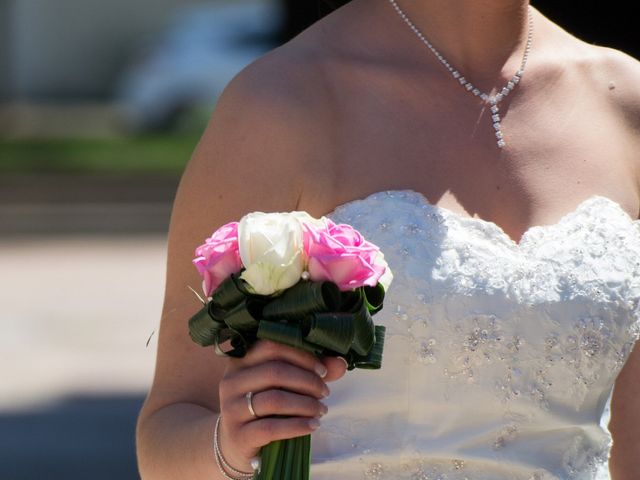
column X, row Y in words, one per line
column 161, row 154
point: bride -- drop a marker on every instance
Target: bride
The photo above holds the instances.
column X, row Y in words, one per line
column 493, row 158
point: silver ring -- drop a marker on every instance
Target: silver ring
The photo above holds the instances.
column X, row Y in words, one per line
column 249, row 397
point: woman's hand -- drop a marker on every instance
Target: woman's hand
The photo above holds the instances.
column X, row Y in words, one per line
column 285, row 381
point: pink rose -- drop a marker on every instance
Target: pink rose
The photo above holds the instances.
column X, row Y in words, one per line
column 219, row 257
column 339, row 253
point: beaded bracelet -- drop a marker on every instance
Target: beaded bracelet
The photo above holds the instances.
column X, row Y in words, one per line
column 223, row 464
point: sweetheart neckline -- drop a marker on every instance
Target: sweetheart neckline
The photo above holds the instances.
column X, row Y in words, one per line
column 464, row 218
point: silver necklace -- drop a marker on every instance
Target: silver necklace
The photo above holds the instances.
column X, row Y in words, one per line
column 492, row 100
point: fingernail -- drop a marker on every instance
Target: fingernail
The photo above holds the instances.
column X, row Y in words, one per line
column 324, row 409
column 325, row 391
column 346, row 364
column 321, row 370
column 314, row 423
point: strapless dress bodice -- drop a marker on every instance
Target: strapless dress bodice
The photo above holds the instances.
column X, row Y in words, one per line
column 500, row 357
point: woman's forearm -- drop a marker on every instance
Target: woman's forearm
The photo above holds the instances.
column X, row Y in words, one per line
column 177, row 442
column 623, row 463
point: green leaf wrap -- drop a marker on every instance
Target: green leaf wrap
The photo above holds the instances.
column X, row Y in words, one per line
column 306, row 297
column 203, row 327
column 373, row 360
column 241, row 316
column 334, row 331
column 365, row 334
column 374, row 297
column 287, row 334
column 314, row 316
column 229, row 292
column 239, row 343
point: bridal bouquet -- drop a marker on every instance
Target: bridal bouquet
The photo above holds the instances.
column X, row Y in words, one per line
column 291, row 278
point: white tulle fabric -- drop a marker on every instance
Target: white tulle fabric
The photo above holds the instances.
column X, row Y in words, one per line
column 500, row 357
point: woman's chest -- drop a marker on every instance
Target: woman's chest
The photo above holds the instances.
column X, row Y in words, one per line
column 389, row 135
column 419, row 112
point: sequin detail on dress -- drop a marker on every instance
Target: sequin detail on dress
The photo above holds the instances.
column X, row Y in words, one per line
column 500, row 356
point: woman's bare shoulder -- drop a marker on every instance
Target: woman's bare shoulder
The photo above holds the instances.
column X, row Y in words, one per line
column 262, row 145
column 277, row 101
column 265, row 124
column 620, row 73
column 610, row 74
column 598, row 63
column 297, row 70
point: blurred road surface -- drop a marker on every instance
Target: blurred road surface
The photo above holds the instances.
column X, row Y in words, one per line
column 76, row 314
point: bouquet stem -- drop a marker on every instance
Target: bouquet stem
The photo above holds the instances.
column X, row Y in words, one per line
column 286, row 459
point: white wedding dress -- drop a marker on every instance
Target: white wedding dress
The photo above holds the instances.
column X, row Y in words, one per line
column 500, row 357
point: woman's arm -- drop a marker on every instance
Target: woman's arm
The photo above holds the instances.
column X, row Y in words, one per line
column 251, row 157
column 622, row 76
column 625, row 421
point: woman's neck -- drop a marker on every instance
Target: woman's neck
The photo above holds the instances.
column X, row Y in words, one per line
column 480, row 38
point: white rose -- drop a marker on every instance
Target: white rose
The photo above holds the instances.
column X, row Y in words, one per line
column 387, row 277
column 304, row 217
column 270, row 246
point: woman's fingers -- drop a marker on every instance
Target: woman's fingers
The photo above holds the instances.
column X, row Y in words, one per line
column 329, row 368
column 276, row 402
column 265, row 430
column 265, row 350
column 336, row 368
column 287, row 385
column 269, row 375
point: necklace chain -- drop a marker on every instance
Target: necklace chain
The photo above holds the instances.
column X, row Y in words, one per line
column 492, row 100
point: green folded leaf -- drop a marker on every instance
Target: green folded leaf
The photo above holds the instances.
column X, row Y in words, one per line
column 202, row 327
column 309, row 321
column 217, row 313
column 334, row 331
column 364, row 328
column 230, row 292
column 302, row 299
column 287, row 334
column 239, row 344
column 374, row 297
column 241, row 317
column 373, row 360
column 350, row 300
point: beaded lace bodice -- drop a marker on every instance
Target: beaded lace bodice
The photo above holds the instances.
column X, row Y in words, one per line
column 500, row 357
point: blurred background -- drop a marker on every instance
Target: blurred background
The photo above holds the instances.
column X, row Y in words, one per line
column 101, row 105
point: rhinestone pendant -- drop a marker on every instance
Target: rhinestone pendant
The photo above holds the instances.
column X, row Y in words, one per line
column 493, row 101
column 495, row 116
